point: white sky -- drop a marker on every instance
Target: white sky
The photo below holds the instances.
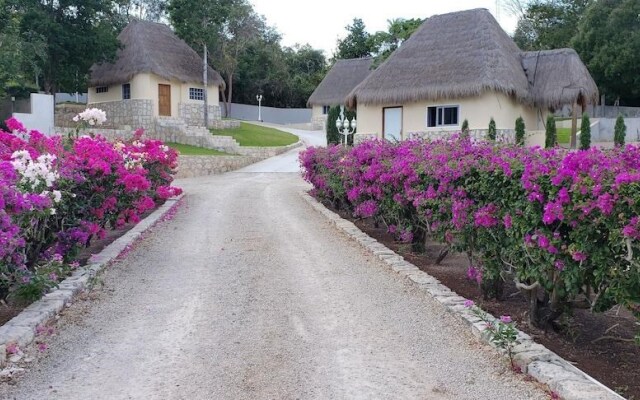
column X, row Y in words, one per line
column 321, row 22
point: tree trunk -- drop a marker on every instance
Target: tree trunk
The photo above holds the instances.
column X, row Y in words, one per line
column 224, row 101
column 574, row 125
column 230, row 99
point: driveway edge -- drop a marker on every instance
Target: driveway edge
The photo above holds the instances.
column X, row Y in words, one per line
column 22, row 329
column 543, row 365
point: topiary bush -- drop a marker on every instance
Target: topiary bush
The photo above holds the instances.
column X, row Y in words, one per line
column 585, row 132
column 491, row 134
column 520, row 131
column 550, row 135
column 619, row 131
column 464, row 132
column 333, row 136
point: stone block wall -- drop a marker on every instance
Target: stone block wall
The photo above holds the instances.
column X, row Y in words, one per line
column 502, row 135
column 64, row 114
column 225, row 124
column 128, row 114
column 319, row 123
column 193, row 114
column 192, row 166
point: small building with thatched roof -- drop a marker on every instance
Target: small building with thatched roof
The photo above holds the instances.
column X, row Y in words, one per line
column 341, row 79
column 463, row 65
column 155, row 74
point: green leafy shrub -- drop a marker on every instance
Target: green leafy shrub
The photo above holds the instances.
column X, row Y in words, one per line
column 520, row 131
column 333, row 136
column 491, row 134
column 619, row 131
column 585, row 132
column 465, row 128
column 550, row 135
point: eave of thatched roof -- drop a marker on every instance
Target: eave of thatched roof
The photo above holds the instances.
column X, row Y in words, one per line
column 149, row 47
column 340, row 80
column 453, row 55
column 558, row 77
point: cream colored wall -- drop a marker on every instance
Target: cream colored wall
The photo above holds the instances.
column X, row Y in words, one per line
column 114, row 94
column 213, row 94
column 316, row 111
column 139, row 90
column 477, row 110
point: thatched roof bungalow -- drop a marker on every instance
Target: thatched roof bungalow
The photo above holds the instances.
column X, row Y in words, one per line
column 341, row 79
column 155, row 65
column 461, row 66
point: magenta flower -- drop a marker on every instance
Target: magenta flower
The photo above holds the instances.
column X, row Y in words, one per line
column 579, row 256
column 469, row 303
column 505, row 319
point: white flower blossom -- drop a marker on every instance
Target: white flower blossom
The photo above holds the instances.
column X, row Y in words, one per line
column 92, row 116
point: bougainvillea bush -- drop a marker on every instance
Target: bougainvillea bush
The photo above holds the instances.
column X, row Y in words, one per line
column 564, row 226
column 58, row 194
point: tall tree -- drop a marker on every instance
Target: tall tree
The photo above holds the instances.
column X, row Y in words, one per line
column 399, row 30
column 608, row 41
column 357, row 43
column 547, row 24
column 77, row 33
column 149, row 10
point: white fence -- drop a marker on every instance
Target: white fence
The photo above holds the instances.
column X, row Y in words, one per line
column 281, row 116
column 603, row 111
column 41, row 117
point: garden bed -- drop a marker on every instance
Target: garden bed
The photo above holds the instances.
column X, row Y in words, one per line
column 612, row 362
column 11, row 309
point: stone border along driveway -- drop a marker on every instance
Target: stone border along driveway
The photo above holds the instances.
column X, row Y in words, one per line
column 542, row 364
column 21, row 330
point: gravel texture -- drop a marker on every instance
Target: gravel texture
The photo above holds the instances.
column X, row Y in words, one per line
column 250, row 294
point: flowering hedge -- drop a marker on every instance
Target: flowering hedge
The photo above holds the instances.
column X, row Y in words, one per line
column 563, row 225
column 56, row 195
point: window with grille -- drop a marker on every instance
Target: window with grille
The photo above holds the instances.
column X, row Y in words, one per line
column 126, row 91
column 102, row 89
column 196, row 94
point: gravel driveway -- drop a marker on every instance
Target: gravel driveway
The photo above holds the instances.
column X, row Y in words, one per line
column 250, row 294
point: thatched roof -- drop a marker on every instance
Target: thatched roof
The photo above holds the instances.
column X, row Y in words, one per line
column 558, row 77
column 150, row 47
column 340, row 81
column 457, row 55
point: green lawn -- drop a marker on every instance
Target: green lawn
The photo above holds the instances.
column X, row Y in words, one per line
column 564, row 135
column 188, row 150
column 259, row 136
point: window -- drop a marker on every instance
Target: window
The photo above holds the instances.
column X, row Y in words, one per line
column 102, row 89
column 196, row 94
column 442, row 116
column 126, row 91
column 325, row 110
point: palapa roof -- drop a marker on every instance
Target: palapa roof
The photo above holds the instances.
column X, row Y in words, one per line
column 464, row 54
column 558, row 77
column 150, row 47
column 340, row 81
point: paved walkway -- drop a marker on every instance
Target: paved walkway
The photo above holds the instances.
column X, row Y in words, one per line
column 250, row 294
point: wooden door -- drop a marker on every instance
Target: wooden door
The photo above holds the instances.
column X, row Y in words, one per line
column 164, row 100
column 392, row 123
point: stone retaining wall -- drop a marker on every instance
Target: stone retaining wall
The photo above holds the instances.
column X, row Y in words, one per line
column 64, row 114
column 193, row 113
column 192, row 166
column 128, row 114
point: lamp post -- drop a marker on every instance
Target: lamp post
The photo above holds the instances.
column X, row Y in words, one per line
column 345, row 127
column 259, row 98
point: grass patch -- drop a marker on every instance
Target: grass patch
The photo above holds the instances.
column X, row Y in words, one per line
column 564, row 135
column 189, row 150
column 258, row 136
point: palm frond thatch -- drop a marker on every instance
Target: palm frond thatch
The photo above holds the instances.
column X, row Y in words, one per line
column 340, row 80
column 558, row 77
column 150, row 47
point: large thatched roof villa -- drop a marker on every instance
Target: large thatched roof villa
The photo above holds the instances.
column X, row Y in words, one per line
column 341, row 79
column 461, row 66
column 155, row 74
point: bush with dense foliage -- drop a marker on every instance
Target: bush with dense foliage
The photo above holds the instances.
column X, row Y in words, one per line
column 520, row 131
column 564, row 226
column 551, row 133
column 619, row 131
column 491, row 133
column 585, row 132
column 57, row 195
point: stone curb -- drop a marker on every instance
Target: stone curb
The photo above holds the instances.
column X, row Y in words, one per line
column 21, row 329
column 545, row 366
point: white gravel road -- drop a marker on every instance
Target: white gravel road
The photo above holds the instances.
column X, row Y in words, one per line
column 250, row 294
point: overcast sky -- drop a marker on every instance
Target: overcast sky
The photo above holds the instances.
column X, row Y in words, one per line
column 321, row 22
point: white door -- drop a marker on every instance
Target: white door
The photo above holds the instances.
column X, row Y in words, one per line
column 392, row 124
